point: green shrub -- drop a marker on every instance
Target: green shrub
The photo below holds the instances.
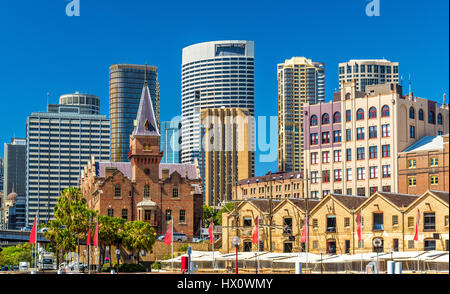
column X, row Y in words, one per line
column 131, row 268
column 156, row 266
column 183, row 248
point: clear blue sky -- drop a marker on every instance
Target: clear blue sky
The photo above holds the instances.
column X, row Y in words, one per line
column 43, row 50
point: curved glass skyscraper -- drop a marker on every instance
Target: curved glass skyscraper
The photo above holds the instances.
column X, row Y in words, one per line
column 214, row 74
column 125, row 89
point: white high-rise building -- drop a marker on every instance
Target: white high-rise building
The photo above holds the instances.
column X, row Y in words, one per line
column 214, row 74
column 368, row 72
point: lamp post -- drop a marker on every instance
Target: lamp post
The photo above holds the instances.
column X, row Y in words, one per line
column 321, row 266
column 236, row 241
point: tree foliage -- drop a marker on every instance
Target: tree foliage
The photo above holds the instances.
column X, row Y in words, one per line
column 138, row 236
column 13, row 255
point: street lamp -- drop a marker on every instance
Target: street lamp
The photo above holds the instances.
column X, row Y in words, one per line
column 321, row 265
column 236, row 241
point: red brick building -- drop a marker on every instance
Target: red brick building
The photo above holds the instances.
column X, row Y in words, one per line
column 424, row 166
column 144, row 189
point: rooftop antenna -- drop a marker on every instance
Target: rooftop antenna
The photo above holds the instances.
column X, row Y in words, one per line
column 48, row 95
column 409, row 83
column 145, row 74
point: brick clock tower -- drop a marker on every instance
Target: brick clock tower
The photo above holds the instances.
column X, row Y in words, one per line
column 144, row 153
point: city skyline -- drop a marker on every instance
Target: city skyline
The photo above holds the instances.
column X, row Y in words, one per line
column 89, row 65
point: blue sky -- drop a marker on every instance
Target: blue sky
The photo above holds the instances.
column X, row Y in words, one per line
column 43, row 50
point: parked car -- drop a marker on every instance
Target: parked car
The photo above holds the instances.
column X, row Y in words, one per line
column 199, row 239
column 160, row 238
column 179, row 237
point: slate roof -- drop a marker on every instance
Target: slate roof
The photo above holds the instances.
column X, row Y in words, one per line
column 264, row 204
column 401, row 200
column 146, row 114
column 125, row 168
column 301, row 203
column 350, row 201
column 269, row 177
column 441, row 194
column 427, row 143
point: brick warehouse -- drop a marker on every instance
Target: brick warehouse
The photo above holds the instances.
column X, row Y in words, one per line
column 144, row 189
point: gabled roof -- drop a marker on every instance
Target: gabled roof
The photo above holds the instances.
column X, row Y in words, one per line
column 301, row 203
column 426, row 143
column 400, row 200
column 349, row 202
column 440, row 194
column 145, row 120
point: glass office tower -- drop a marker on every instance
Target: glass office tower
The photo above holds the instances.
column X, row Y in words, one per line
column 125, row 88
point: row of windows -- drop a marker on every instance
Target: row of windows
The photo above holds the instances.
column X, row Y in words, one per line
column 361, row 191
column 118, row 191
column 360, row 154
column 434, row 161
column 360, row 172
column 360, row 135
column 412, row 181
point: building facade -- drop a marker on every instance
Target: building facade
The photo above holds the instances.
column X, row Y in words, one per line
column 424, row 166
column 143, row 188
column 214, row 74
column 300, row 81
column 171, row 141
column 368, row 72
column 228, row 151
column 272, row 185
column 59, row 144
column 332, row 223
column 352, row 143
column 125, row 85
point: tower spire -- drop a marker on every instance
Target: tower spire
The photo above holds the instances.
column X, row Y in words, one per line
column 145, row 120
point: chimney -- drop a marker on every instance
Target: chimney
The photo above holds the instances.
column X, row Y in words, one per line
column 165, row 173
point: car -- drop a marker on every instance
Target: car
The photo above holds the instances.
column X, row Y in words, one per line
column 179, row 237
column 199, row 239
column 160, row 238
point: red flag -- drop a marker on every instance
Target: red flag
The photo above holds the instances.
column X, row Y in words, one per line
column 88, row 239
column 33, row 233
column 416, row 236
column 358, row 222
column 168, row 237
column 210, row 232
column 96, row 236
column 304, row 230
column 255, row 239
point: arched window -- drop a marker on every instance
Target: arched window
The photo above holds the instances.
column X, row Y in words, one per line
column 439, row 119
column 314, row 120
column 372, row 112
column 359, row 114
column 325, row 119
column 411, row 112
column 117, row 191
column 337, row 117
column 385, row 111
column 146, row 191
column 431, row 117
column 420, row 114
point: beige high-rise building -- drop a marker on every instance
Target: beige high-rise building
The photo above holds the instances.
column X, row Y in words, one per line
column 368, row 72
column 228, row 151
column 352, row 143
column 299, row 81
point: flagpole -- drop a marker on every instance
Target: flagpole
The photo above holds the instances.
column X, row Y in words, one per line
column 97, row 250
column 89, row 247
column 212, row 233
column 36, row 242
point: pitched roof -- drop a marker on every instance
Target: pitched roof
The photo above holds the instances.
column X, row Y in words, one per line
column 264, row 204
column 301, row 203
column 400, row 200
column 350, row 201
column 441, row 194
column 269, row 177
column 125, row 168
column 145, row 120
column 427, row 143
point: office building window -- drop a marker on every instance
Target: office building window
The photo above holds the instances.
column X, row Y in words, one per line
column 372, row 132
column 386, row 151
column 412, row 163
column 372, row 190
column 338, row 175
column 337, row 136
column 314, row 139
column 349, row 154
column 337, row 117
column 348, row 115
column 360, row 133
column 373, row 172
column 434, row 161
column 325, row 176
column 386, row 188
column 411, row 181
column 385, row 111
column 412, row 132
column 361, row 191
column 348, row 135
column 361, row 173
column 325, row 137
column 337, row 155
column 326, row 157
column 349, row 176
column 420, row 114
column 386, row 130
column 434, row 180
column 372, row 112
column 359, row 114
column 386, row 171
column 314, row 157
column 314, row 177
column 325, row 119
column 360, row 153
column 314, row 120
column 373, row 152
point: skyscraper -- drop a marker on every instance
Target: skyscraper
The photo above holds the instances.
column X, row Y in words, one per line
column 15, row 167
column 125, row 86
column 59, row 143
column 299, row 81
column 368, row 72
column 214, row 74
column 170, row 140
column 228, row 154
